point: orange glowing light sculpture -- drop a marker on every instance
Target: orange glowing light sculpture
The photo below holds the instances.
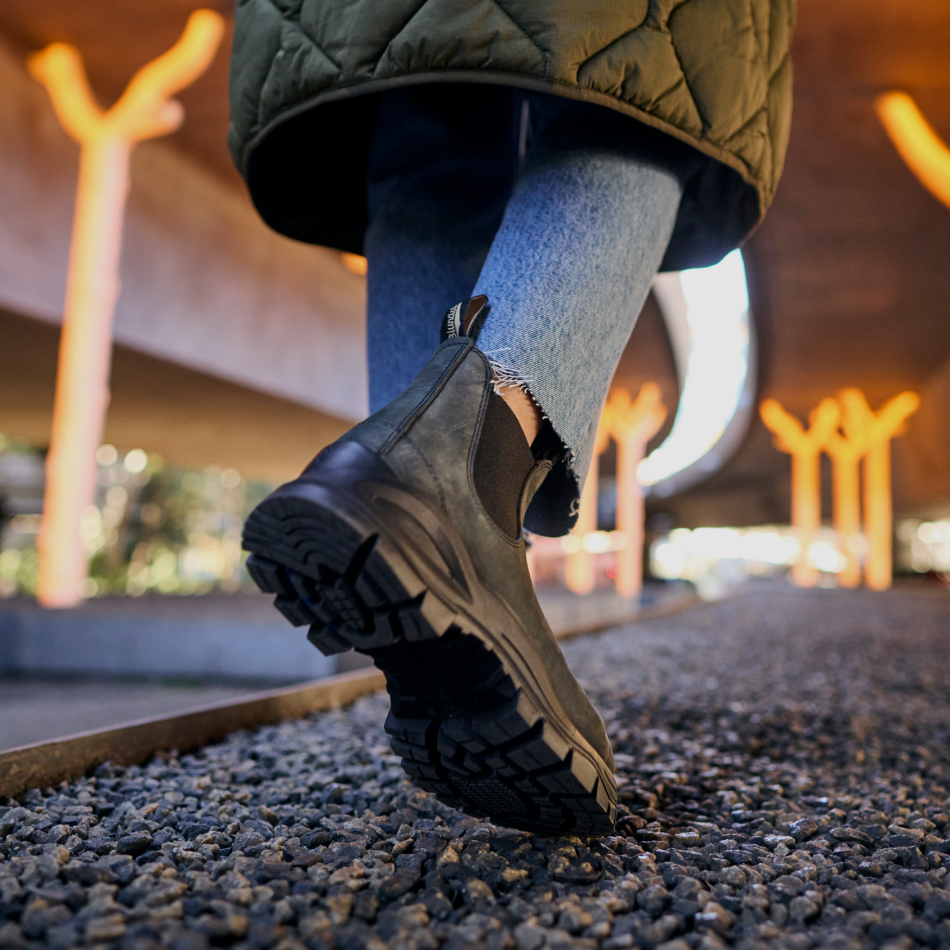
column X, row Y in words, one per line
column 846, row 451
column 633, row 424
column 922, row 150
column 579, row 564
column 82, row 385
column 805, row 448
column 879, row 428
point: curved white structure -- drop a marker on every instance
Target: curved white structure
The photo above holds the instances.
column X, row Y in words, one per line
column 707, row 316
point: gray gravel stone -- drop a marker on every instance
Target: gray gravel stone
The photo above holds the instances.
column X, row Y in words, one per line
column 802, row 802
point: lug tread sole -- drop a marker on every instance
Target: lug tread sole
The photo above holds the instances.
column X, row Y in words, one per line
column 464, row 729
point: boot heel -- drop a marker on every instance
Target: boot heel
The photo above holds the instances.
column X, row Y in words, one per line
column 351, row 589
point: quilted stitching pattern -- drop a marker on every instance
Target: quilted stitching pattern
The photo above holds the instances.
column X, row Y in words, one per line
column 715, row 70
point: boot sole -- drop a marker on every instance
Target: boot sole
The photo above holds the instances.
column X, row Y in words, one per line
column 369, row 567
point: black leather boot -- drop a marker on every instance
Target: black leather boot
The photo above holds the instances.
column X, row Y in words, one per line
column 403, row 540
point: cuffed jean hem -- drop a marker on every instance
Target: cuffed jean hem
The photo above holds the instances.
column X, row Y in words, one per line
column 566, row 277
column 566, row 242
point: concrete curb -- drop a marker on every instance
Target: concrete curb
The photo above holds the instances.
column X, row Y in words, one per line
column 47, row 763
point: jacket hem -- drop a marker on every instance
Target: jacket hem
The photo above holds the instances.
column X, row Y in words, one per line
column 496, row 77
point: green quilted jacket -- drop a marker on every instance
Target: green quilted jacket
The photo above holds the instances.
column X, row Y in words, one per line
column 713, row 73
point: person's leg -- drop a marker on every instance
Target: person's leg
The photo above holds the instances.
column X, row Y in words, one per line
column 403, row 539
column 583, row 235
column 441, row 168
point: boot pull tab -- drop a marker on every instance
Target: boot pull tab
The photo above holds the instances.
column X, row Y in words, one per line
column 465, row 319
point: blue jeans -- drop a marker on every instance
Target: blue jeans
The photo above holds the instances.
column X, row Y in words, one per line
column 559, row 211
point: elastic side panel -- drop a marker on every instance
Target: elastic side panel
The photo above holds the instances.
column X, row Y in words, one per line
column 503, row 462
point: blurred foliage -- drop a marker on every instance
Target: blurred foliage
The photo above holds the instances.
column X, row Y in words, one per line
column 154, row 527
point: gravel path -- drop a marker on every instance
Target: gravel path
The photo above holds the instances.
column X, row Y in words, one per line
column 784, row 770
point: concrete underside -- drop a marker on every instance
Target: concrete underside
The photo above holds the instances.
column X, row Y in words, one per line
column 784, row 781
column 190, row 418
